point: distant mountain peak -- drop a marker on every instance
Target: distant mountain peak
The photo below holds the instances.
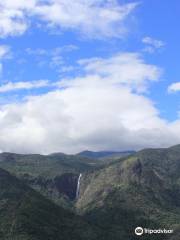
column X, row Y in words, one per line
column 104, row 154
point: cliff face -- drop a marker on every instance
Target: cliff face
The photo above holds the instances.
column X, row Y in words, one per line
column 61, row 189
column 67, row 184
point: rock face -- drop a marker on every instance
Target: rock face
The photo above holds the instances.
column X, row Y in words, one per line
column 67, row 184
column 64, row 185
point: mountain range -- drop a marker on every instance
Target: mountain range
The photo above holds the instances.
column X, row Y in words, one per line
column 38, row 199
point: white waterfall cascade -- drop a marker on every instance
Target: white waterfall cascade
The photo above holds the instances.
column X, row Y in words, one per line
column 78, row 186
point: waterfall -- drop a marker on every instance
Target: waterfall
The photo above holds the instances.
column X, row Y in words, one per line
column 78, row 186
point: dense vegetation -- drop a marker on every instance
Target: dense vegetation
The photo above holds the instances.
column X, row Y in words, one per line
column 115, row 196
column 26, row 215
column 54, row 176
column 140, row 190
column 104, row 154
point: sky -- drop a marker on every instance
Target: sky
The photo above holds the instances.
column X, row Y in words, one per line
column 89, row 75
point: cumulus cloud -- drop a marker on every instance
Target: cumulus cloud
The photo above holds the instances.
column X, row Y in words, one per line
column 13, row 86
column 95, row 111
column 102, row 18
column 174, row 87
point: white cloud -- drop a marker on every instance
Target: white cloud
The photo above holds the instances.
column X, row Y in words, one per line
column 127, row 69
column 174, row 87
column 54, row 58
column 51, row 52
column 102, row 18
column 13, row 86
column 97, row 111
column 4, row 52
column 152, row 44
column 13, row 19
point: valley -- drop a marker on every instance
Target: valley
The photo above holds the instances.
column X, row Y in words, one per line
column 111, row 197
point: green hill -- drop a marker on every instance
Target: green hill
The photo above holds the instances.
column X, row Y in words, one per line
column 104, row 154
column 26, row 215
column 117, row 196
column 55, row 176
column 141, row 190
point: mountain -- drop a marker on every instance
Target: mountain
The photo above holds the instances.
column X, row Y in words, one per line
column 140, row 190
column 104, row 154
column 55, row 176
column 26, row 215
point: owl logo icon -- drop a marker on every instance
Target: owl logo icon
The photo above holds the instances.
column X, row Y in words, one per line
column 139, row 231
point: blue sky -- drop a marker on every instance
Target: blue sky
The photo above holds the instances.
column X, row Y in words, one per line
column 62, row 61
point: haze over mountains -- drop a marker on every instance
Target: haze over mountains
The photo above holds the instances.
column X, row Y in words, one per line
column 105, row 154
column 38, row 198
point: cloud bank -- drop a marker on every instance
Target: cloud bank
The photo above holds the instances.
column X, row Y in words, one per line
column 103, row 109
